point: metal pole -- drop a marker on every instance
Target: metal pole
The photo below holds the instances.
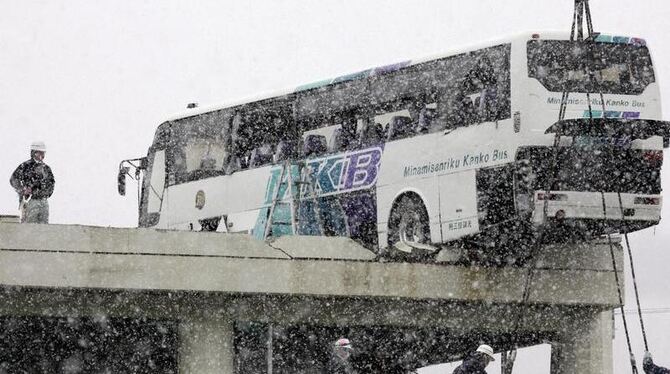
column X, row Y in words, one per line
column 269, row 348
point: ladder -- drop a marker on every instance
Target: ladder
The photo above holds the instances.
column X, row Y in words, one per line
column 294, row 177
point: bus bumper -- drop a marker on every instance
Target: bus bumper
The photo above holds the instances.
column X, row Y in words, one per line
column 572, row 205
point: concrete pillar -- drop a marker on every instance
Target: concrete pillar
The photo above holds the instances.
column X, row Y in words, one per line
column 584, row 347
column 206, row 346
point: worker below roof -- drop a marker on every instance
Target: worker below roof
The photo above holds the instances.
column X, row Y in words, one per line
column 477, row 362
column 340, row 359
column 34, row 182
column 649, row 366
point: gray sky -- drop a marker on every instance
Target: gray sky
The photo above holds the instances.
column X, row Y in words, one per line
column 93, row 79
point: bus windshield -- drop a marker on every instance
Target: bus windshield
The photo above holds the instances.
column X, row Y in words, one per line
column 562, row 65
column 198, row 147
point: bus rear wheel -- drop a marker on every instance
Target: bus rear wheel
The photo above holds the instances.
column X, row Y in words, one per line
column 409, row 232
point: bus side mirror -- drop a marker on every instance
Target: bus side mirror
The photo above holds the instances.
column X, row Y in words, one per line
column 121, row 180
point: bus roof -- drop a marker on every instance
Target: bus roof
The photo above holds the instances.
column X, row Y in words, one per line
column 381, row 70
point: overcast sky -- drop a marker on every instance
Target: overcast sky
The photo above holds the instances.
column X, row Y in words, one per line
column 93, row 79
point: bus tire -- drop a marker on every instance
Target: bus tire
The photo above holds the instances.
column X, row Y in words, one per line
column 408, row 217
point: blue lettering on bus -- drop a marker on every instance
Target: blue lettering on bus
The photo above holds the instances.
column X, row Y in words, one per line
column 362, row 169
column 345, row 172
column 334, row 174
column 329, row 176
column 325, row 174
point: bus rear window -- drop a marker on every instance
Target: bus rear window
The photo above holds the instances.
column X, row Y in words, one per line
column 562, row 65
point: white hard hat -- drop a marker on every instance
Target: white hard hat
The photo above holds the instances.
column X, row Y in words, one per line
column 38, row 146
column 343, row 343
column 487, row 350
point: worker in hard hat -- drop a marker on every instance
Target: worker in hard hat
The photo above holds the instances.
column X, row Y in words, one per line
column 649, row 366
column 477, row 362
column 34, row 182
column 340, row 360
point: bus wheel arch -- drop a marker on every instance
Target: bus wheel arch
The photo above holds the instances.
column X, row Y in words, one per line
column 409, row 227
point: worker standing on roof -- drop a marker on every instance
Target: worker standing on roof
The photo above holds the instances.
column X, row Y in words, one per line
column 650, row 368
column 476, row 363
column 34, row 182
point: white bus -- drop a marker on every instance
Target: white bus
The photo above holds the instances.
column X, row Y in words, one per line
column 456, row 148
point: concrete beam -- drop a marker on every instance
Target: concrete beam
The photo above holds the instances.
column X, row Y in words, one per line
column 84, row 257
column 584, row 347
column 304, row 277
column 461, row 318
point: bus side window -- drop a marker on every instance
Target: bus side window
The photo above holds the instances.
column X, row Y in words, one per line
column 235, row 160
column 483, row 80
column 420, row 115
column 336, row 141
column 480, row 94
column 344, row 137
column 176, row 165
column 468, row 111
column 372, row 133
column 286, row 150
column 261, row 156
column 246, row 134
column 269, row 126
column 400, row 118
column 400, row 127
column 314, row 146
column 486, row 104
column 455, row 110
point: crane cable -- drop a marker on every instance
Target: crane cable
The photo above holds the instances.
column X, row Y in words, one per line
column 582, row 8
column 583, row 5
column 632, row 272
column 589, row 24
column 618, row 289
column 577, row 21
column 625, row 224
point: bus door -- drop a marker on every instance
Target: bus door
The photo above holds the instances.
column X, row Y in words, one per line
column 458, row 204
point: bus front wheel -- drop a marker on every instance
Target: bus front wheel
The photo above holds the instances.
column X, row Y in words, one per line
column 409, row 232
